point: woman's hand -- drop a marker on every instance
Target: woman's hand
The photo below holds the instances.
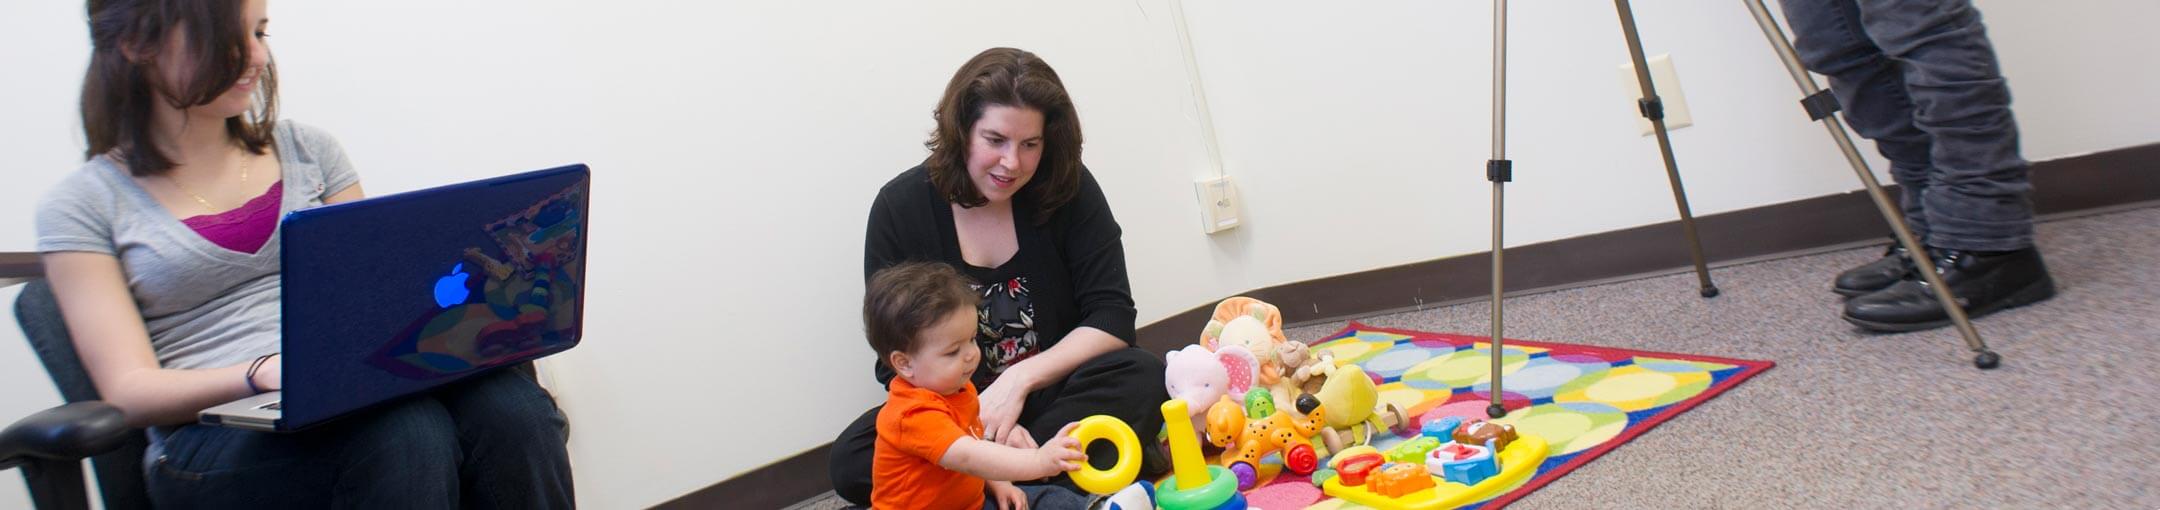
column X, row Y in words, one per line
column 1007, row 496
column 1000, row 406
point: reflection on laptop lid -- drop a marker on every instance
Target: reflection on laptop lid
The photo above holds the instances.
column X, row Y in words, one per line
column 394, row 295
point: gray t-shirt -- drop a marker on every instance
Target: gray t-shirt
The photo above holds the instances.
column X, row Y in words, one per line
column 205, row 306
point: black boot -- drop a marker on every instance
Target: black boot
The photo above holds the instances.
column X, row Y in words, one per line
column 1983, row 283
column 1894, row 265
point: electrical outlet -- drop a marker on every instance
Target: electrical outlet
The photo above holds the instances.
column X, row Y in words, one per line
column 1667, row 82
column 1218, row 204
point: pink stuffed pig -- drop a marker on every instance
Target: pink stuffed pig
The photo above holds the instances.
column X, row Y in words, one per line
column 1200, row 377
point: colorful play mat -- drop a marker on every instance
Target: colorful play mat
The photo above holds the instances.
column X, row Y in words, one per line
column 1582, row 400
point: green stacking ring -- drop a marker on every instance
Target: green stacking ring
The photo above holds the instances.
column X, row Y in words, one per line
column 1219, row 490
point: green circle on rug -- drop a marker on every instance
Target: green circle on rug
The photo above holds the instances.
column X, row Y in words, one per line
column 1572, row 426
column 1424, row 369
column 1466, row 367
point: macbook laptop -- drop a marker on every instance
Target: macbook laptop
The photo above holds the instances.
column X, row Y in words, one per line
column 394, row 295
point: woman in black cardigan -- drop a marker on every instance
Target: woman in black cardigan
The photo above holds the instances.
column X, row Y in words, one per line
column 1004, row 199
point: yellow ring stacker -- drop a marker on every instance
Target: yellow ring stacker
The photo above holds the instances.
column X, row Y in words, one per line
column 1128, row 454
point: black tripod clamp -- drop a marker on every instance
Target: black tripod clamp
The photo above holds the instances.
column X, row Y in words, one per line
column 1651, row 107
column 1820, row 104
column 1499, row 170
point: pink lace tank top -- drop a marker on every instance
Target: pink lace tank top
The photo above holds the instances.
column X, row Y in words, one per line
column 245, row 229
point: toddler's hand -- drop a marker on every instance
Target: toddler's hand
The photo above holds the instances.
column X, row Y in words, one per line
column 1061, row 453
column 1007, row 496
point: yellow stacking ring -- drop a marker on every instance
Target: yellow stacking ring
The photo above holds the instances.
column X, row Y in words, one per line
column 1119, row 434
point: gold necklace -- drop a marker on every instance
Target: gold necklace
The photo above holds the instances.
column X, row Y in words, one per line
column 245, row 159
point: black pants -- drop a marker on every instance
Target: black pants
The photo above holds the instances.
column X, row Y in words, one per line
column 493, row 441
column 1126, row 383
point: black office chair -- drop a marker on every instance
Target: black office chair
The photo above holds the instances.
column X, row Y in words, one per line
column 50, row 445
column 61, row 437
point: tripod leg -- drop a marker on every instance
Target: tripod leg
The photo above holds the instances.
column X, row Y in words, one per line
column 1654, row 109
column 1495, row 410
column 1498, row 170
column 1821, row 108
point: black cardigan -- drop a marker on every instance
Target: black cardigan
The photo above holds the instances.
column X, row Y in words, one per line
column 1069, row 272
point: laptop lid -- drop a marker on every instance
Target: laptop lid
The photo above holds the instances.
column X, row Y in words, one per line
column 394, row 295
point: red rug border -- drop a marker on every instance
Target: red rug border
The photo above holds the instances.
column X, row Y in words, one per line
column 1753, row 368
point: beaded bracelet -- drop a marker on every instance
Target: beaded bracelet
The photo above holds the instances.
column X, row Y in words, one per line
column 252, row 367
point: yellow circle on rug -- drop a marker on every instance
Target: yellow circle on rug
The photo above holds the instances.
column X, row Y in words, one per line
column 1406, row 396
column 1634, row 388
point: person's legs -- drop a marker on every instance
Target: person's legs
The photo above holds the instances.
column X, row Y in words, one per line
column 1870, row 88
column 1978, row 201
column 1125, row 383
column 402, row 456
column 851, row 455
column 512, row 437
column 1978, row 197
column 1871, row 91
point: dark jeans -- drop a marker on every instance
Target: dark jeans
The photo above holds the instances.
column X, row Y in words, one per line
column 1126, row 383
column 1046, row 497
column 1920, row 78
column 496, row 441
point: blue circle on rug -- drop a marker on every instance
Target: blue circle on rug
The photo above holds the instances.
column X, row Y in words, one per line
column 1584, row 357
column 1433, row 343
column 1375, row 336
column 1670, row 367
column 1541, row 378
column 1425, row 384
column 1393, row 362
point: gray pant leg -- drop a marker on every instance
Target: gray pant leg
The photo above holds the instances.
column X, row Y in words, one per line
column 1046, row 497
column 1979, row 192
column 1870, row 88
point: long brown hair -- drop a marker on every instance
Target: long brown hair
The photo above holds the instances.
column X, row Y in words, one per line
column 1012, row 78
column 118, row 91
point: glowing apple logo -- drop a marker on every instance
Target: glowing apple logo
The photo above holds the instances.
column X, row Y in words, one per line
column 450, row 290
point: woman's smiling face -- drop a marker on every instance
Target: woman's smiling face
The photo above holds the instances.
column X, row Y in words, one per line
column 1004, row 146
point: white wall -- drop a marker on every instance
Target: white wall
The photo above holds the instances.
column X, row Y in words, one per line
column 1373, row 118
column 736, row 147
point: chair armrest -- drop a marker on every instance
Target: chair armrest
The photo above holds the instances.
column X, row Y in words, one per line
column 20, row 265
column 70, row 432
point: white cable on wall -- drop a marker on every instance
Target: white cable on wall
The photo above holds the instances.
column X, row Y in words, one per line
column 1199, row 92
